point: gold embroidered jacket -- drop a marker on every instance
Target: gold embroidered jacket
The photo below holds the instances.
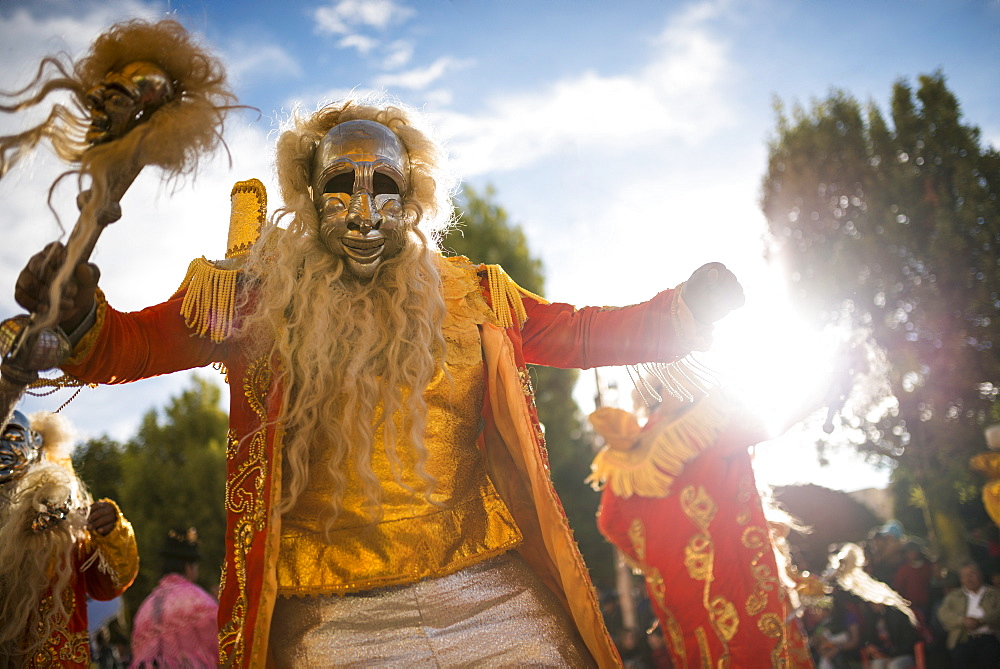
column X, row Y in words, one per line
column 514, row 328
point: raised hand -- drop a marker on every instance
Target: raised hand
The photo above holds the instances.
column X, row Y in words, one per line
column 77, row 299
column 102, row 519
column 712, row 292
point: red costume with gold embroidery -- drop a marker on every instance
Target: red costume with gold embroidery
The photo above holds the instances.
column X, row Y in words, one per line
column 105, row 568
column 681, row 502
column 57, row 547
column 124, row 347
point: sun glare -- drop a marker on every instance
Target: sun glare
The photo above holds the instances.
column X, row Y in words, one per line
column 782, row 366
column 786, row 371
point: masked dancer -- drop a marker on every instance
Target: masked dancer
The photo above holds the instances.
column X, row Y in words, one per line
column 388, row 494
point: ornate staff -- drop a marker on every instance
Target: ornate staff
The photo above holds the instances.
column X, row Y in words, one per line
column 145, row 94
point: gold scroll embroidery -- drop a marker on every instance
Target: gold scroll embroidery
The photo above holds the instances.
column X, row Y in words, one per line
column 673, row 633
column 755, row 538
column 222, row 575
column 637, row 535
column 698, row 506
column 699, row 556
column 245, row 498
column 771, row 626
column 61, row 648
column 706, row 652
column 699, row 553
column 725, row 618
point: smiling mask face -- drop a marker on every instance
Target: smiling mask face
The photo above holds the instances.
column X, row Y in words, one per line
column 19, row 446
column 360, row 178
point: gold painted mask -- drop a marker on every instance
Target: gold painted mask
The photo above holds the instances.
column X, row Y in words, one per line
column 360, row 177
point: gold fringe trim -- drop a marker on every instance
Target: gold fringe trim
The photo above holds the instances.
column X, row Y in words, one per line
column 506, row 297
column 209, row 303
column 649, row 467
column 211, row 286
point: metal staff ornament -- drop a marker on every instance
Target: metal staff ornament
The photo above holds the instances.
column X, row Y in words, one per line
column 144, row 94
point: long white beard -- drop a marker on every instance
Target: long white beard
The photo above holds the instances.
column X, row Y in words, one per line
column 346, row 345
column 32, row 563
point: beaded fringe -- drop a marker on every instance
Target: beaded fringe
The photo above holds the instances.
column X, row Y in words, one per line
column 686, row 379
column 506, row 297
column 210, row 299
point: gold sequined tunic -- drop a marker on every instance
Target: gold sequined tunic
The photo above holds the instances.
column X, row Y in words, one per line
column 414, row 539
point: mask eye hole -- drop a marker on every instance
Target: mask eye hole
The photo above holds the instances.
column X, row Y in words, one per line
column 341, row 183
column 383, row 184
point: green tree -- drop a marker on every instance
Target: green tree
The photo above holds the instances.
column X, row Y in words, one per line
column 173, row 477
column 98, row 462
column 894, row 231
column 485, row 234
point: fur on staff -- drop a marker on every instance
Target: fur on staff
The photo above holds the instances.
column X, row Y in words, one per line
column 173, row 137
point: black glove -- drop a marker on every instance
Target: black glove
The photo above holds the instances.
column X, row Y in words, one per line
column 712, row 292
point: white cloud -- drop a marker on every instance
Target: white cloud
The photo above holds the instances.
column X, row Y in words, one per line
column 362, row 43
column 398, row 55
column 341, row 16
column 438, row 98
column 351, row 18
column 679, row 94
column 421, row 78
column 256, row 61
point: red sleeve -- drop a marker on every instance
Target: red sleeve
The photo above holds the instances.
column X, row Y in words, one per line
column 99, row 585
column 141, row 344
column 559, row 335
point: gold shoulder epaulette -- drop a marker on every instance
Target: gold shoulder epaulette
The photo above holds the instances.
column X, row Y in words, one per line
column 210, row 297
column 505, row 296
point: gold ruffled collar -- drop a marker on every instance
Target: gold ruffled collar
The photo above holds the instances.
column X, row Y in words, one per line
column 645, row 462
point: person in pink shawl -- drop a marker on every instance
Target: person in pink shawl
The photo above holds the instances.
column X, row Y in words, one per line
column 175, row 625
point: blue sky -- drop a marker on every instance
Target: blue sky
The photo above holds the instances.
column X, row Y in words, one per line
column 628, row 139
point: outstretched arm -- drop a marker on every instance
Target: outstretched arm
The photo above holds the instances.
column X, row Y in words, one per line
column 663, row 329
column 111, row 346
column 124, row 347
